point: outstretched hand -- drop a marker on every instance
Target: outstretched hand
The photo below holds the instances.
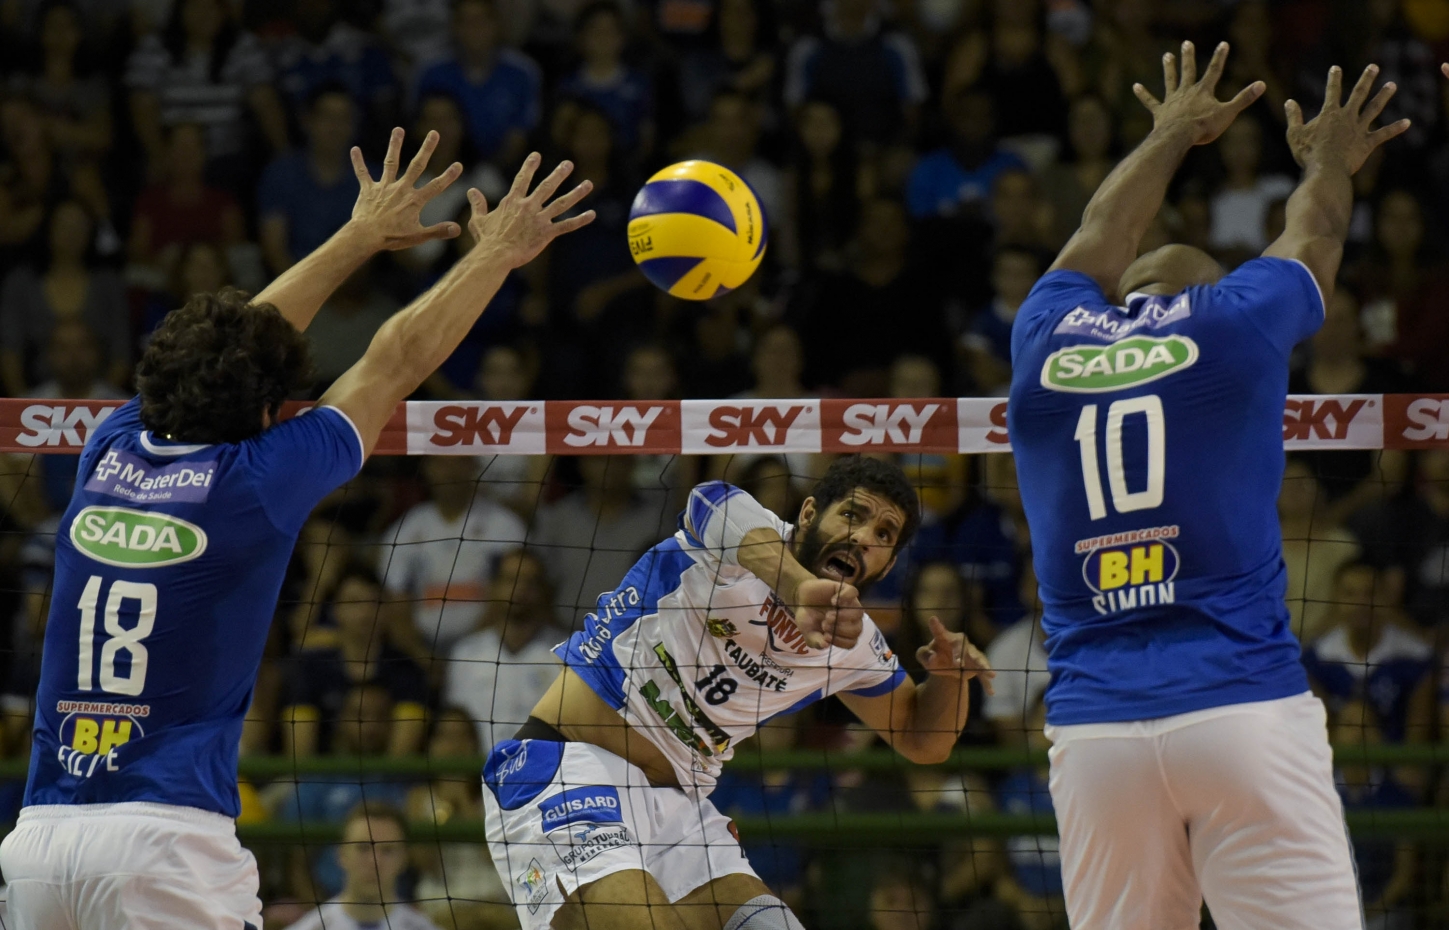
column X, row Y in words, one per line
column 952, row 654
column 1192, row 105
column 829, row 613
column 390, row 208
column 1342, row 132
column 523, row 224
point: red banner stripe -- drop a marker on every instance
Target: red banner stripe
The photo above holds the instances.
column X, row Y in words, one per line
column 923, row 425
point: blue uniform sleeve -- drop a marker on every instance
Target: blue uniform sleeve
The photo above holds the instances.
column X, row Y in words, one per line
column 718, row 516
column 1278, row 297
column 297, row 463
column 1056, row 293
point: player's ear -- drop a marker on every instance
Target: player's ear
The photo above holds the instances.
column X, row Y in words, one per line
column 807, row 512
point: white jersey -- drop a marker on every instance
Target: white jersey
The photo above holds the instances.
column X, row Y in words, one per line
column 695, row 652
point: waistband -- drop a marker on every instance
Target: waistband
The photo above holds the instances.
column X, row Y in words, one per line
column 192, row 816
column 533, row 728
column 1157, row 726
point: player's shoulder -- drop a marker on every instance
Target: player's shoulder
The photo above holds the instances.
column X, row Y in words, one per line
column 302, row 433
column 1268, row 277
column 1062, row 302
column 124, row 419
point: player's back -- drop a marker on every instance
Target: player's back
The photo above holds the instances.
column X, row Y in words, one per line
column 169, row 561
column 1149, row 450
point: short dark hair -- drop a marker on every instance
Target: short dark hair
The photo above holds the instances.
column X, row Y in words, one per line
column 216, row 365
column 884, row 478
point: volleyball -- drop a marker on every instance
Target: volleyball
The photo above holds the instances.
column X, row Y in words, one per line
column 696, row 230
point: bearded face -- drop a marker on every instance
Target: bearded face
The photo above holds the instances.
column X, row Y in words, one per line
column 852, row 540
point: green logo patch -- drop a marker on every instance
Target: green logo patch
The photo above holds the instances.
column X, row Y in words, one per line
column 135, row 539
column 1134, row 361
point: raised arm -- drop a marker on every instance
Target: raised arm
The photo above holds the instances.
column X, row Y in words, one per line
column 417, row 339
column 385, row 217
column 1120, row 211
column 1330, row 149
column 922, row 722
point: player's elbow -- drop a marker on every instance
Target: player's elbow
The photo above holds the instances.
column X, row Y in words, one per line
column 403, row 353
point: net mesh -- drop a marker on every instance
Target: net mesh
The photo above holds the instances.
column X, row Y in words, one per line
column 422, row 601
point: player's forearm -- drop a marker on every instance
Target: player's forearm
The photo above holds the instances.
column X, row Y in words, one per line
column 1316, row 221
column 300, row 291
column 1119, row 213
column 418, row 339
column 1322, row 205
column 764, row 554
column 936, row 721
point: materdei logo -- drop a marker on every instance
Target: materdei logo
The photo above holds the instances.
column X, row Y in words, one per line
column 475, row 428
column 913, row 426
column 777, row 426
column 584, row 428
column 1416, row 422
column 1345, row 421
column 59, row 425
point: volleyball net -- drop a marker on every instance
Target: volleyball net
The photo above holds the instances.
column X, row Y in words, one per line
column 414, row 628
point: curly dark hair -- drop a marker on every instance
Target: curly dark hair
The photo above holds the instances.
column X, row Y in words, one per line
column 216, row 365
column 884, row 478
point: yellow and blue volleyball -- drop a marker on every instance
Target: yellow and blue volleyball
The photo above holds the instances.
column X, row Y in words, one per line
column 696, row 230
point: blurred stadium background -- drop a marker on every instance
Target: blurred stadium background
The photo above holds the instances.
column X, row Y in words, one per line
column 919, row 161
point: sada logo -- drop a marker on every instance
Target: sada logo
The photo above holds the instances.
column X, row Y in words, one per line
column 1133, row 361
column 135, row 539
column 1127, row 577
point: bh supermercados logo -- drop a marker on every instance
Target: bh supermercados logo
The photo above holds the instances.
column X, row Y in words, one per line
column 1130, row 576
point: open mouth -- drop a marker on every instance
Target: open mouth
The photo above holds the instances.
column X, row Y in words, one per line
column 841, row 566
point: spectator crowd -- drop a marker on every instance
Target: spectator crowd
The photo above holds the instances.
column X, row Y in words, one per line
column 919, row 163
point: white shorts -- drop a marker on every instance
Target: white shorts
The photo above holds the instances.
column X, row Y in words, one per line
column 563, row 815
column 135, row 865
column 1234, row 805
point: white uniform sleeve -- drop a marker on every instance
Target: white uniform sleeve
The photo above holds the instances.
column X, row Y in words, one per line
column 870, row 669
column 719, row 515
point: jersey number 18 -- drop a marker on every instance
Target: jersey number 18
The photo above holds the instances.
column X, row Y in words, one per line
column 1123, row 500
column 121, row 639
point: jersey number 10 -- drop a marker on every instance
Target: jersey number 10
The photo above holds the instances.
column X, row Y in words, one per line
column 121, row 639
column 1123, row 501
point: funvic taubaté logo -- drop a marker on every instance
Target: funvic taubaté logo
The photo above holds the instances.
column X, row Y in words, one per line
column 1133, row 361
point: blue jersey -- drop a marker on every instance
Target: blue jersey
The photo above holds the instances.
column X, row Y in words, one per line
column 1149, row 447
column 168, row 564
